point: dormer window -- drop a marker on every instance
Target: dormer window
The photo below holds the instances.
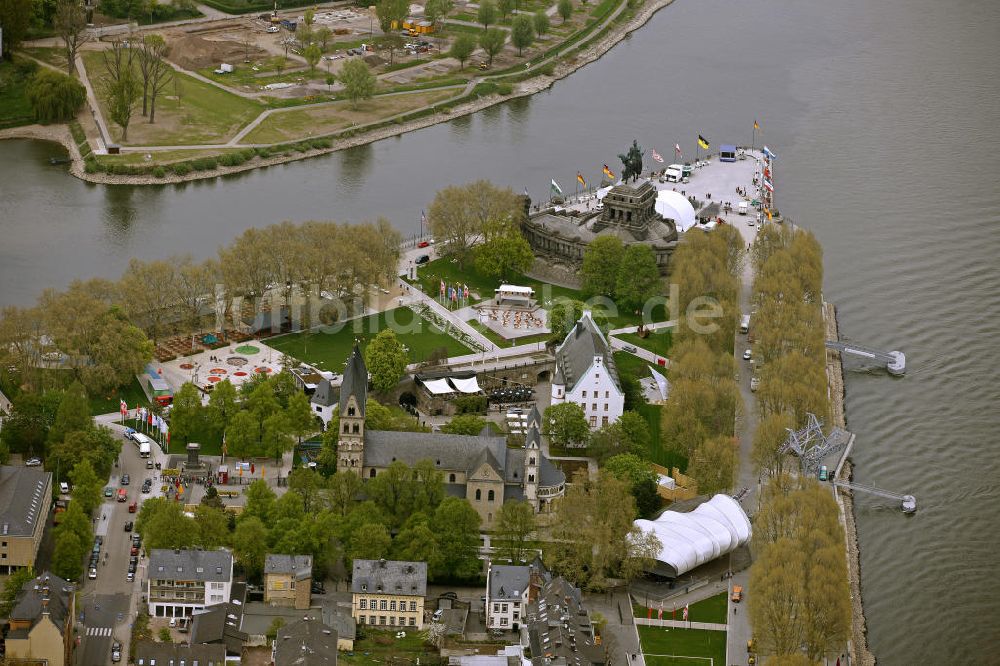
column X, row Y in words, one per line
column 350, row 411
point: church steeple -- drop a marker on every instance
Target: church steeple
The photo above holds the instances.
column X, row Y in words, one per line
column 532, row 464
column 353, row 395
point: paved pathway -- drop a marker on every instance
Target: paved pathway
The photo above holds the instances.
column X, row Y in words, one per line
column 95, row 108
column 681, row 624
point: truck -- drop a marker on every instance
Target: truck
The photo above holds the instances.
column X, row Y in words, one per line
column 745, row 324
column 674, row 173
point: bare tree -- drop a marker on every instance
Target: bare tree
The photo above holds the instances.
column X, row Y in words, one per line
column 121, row 87
column 70, row 22
column 157, row 73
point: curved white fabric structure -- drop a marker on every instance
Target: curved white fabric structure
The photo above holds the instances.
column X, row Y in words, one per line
column 469, row 385
column 675, row 206
column 688, row 540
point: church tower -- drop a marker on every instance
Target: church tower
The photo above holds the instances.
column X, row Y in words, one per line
column 353, row 394
column 532, row 465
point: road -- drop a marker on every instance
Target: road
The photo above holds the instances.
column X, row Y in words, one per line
column 108, row 604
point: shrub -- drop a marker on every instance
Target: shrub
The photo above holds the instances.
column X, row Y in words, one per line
column 548, row 69
column 90, row 165
column 181, row 169
column 232, row 159
column 54, row 96
column 204, row 164
column 470, row 404
column 159, row 172
column 505, row 88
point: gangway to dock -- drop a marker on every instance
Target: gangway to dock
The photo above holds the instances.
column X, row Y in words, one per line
column 908, row 503
column 894, row 361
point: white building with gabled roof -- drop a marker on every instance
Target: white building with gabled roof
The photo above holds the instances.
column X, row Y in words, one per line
column 586, row 374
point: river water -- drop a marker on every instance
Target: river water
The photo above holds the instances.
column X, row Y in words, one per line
column 884, row 117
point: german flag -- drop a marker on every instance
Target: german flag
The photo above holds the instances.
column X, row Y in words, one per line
column 703, row 142
column 755, row 125
column 608, row 172
column 579, row 178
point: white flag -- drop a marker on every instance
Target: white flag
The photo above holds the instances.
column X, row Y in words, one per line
column 555, row 187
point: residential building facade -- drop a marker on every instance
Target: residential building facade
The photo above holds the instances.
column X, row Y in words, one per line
column 509, row 590
column 586, row 374
column 181, row 582
column 389, row 593
column 288, row 580
column 41, row 622
column 25, row 500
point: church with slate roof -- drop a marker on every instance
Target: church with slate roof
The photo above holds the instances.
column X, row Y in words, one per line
column 480, row 468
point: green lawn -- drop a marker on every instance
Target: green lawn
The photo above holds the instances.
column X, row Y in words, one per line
column 632, row 366
column 203, row 114
column 132, row 393
column 430, row 275
column 14, row 107
column 375, row 648
column 662, row 646
column 714, row 609
column 328, row 348
column 54, row 55
column 658, row 342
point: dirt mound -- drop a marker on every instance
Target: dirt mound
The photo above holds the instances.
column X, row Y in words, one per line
column 193, row 52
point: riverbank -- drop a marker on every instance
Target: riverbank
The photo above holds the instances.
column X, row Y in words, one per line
column 600, row 45
column 859, row 652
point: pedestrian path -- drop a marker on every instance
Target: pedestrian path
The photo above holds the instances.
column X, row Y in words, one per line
column 681, row 624
column 99, row 631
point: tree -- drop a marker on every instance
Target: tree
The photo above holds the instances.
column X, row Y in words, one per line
column 459, row 214
column 243, row 436
column 638, row 277
column 457, row 525
column 250, row 545
column 565, row 9
column 162, row 524
column 312, row 54
column 391, row 13
column 277, row 438
column 222, row 405
column 515, row 523
column 323, row 35
column 359, row 82
column 492, row 42
column 371, row 541
column 640, row 477
column 522, row 34
column 594, row 537
column 213, row 526
column 505, row 252
column 487, row 13
column 713, row 464
column 391, row 42
column 12, row 586
column 386, row 359
column 70, row 23
column 156, row 73
column 565, row 424
column 462, row 48
column 73, row 414
column 435, row 10
column 187, row 416
column 121, row 87
column 166, row 637
column 67, row 560
column 342, row 491
column 96, row 444
column 629, row 434
column 602, row 262
column 505, row 7
column 308, row 484
column 771, row 433
column 464, row 424
column 15, row 17
column 541, row 21
column 417, row 543
column 87, row 487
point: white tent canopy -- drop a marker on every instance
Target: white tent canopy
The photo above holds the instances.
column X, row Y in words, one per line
column 469, row 385
column 688, row 540
column 675, row 206
column 438, row 386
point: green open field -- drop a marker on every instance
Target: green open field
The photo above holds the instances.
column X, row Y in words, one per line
column 658, row 341
column 14, row 107
column 375, row 648
column 53, row 55
column 663, row 646
column 501, row 341
column 714, row 609
column 632, row 366
column 131, row 393
column 203, row 114
column 319, row 120
column 164, row 156
column 329, row 347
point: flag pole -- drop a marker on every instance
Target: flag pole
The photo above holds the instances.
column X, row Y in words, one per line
column 753, row 141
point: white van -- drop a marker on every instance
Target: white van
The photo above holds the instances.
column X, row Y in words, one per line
column 63, row 487
column 745, row 324
column 674, row 173
column 743, row 208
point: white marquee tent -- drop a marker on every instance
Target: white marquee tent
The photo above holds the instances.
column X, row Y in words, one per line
column 675, row 206
column 688, row 540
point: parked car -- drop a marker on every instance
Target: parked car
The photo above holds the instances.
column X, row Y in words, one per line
column 135, row 549
column 737, row 593
column 754, row 383
column 130, row 576
column 317, row 588
column 109, row 492
column 629, row 348
column 122, row 495
column 33, row 462
column 423, row 259
column 149, row 464
column 92, row 574
column 748, row 355
column 423, row 244
column 437, row 615
column 125, row 479
column 133, row 507
column 63, row 487
column 129, row 433
column 116, row 652
column 129, row 525
column 272, row 29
